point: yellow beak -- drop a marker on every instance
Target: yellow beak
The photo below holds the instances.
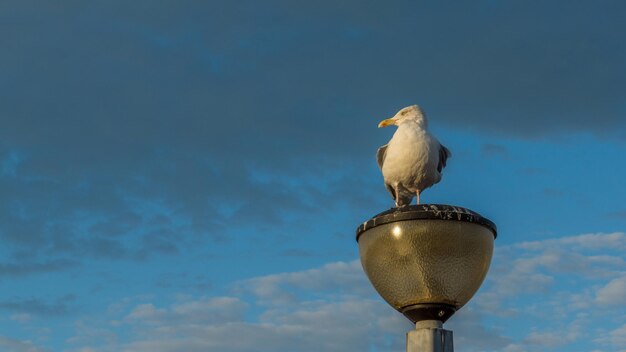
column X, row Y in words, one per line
column 388, row 122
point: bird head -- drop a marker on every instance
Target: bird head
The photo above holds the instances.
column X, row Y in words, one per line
column 411, row 113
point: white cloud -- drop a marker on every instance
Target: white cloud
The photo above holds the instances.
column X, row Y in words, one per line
column 147, row 313
column 337, row 278
column 200, row 311
column 316, row 310
column 618, row 337
column 316, row 326
column 593, row 241
column 614, row 293
column 514, row 348
column 615, row 338
column 552, row 337
column 541, row 268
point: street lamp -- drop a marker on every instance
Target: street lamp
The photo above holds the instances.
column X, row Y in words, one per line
column 427, row 261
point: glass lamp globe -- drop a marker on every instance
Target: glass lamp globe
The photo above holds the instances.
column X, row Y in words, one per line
column 426, row 261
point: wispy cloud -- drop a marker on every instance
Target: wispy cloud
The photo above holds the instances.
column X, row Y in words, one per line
column 552, row 192
column 494, row 150
column 13, row 345
column 618, row 215
column 25, row 267
column 36, row 307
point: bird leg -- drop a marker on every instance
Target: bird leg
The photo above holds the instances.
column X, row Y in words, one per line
column 417, row 193
column 397, row 197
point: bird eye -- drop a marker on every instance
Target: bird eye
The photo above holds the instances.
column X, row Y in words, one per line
column 404, row 113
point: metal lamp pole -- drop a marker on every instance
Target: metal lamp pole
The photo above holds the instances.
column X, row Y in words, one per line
column 429, row 336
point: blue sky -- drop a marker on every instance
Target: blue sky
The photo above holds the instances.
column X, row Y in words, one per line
column 188, row 176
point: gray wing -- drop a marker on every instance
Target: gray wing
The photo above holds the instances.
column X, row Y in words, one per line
column 380, row 155
column 380, row 159
column 444, row 154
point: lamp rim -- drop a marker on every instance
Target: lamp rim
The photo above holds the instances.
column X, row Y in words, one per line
column 427, row 212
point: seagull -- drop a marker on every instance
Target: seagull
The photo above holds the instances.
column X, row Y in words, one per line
column 413, row 159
